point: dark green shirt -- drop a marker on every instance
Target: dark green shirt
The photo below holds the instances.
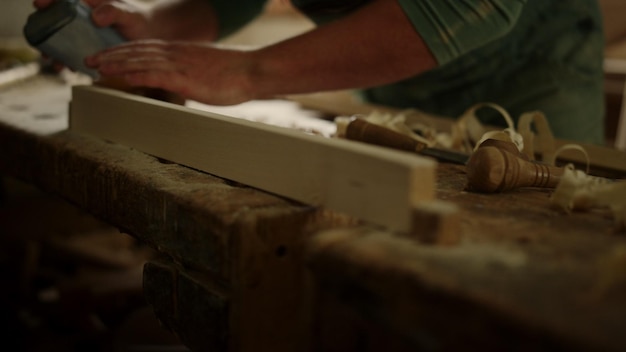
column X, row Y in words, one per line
column 524, row 55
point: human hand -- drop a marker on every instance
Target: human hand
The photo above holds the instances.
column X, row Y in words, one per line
column 127, row 20
column 193, row 71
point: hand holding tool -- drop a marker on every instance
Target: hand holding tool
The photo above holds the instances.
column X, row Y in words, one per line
column 65, row 32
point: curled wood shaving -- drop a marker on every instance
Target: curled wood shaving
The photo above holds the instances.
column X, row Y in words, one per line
column 467, row 132
column 524, row 137
column 551, row 159
column 543, row 134
column 476, row 132
column 579, row 191
column 464, row 133
column 576, row 191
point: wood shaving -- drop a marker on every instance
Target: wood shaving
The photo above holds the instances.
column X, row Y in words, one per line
column 552, row 156
column 543, row 134
column 469, row 123
column 579, row 191
column 466, row 134
column 576, row 191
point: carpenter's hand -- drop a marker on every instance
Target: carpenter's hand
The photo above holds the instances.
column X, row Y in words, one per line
column 194, row 71
column 131, row 23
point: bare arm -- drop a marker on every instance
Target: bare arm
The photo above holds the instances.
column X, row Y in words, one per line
column 614, row 24
column 169, row 20
column 375, row 45
column 184, row 20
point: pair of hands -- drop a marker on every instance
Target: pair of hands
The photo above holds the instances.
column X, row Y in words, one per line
column 191, row 70
column 372, row 46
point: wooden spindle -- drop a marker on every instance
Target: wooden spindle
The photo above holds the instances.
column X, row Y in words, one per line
column 495, row 167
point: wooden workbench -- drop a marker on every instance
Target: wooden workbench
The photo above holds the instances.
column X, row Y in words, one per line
column 244, row 270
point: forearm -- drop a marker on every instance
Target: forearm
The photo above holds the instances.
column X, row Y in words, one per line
column 375, row 45
column 614, row 26
column 184, row 20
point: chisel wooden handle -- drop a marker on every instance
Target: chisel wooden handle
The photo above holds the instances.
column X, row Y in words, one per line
column 361, row 130
column 494, row 168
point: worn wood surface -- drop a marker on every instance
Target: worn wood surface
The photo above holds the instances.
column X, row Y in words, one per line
column 520, row 275
column 243, row 239
column 378, row 185
column 247, row 243
column 523, row 276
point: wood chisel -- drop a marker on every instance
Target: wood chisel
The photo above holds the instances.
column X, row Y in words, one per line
column 358, row 129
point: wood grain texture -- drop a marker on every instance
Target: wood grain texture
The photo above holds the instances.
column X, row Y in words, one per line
column 447, row 299
column 522, row 273
column 235, row 243
column 374, row 184
column 189, row 305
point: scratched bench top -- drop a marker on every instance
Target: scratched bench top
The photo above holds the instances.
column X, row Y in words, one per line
column 562, row 274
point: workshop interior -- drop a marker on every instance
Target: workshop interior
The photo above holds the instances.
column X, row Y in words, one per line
column 114, row 242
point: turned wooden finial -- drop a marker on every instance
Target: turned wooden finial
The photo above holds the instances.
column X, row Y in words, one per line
column 498, row 166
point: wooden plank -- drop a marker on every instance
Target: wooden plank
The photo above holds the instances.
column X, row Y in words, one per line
column 374, row 184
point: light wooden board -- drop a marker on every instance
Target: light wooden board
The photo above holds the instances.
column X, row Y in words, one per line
column 374, row 184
